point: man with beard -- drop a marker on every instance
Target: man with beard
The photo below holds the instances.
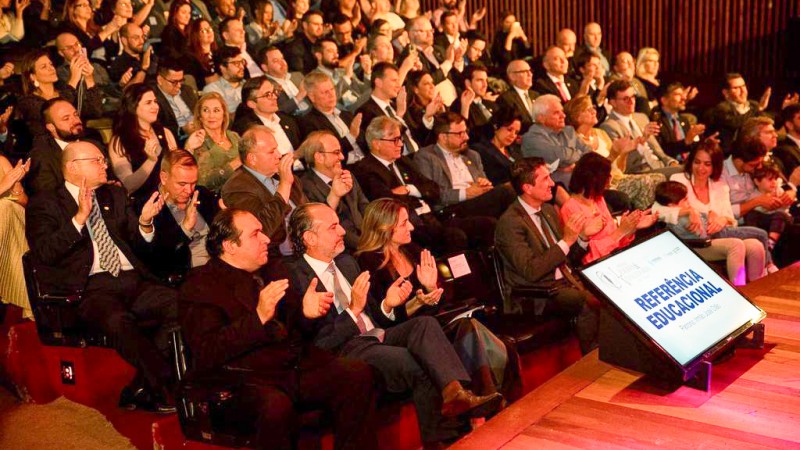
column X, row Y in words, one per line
column 299, row 51
column 64, row 125
column 230, row 64
column 69, row 48
column 678, row 130
column 134, row 64
column 348, row 87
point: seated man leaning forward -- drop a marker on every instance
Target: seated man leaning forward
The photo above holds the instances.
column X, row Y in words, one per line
column 411, row 356
column 535, row 248
column 235, row 319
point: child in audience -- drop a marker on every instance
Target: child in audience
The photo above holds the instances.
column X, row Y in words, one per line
column 768, row 181
column 672, row 206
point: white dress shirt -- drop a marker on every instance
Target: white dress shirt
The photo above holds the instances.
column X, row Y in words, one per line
column 543, row 228
column 459, row 173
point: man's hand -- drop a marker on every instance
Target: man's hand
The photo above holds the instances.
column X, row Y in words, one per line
column 316, row 304
column 652, row 129
column 355, row 126
column 342, row 183
column 790, row 99
column 484, row 182
column 84, row 203
column 401, row 102
column 147, row 58
column 397, row 294
column 573, row 227
column 285, row 169
column 478, row 15
column 694, row 131
column 359, row 293
column 268, row 299
column 763, row 103
column 126, row 77
column 190, row 219
column 467, row 97
column 366, row 64
column 151, row 208
column 400, row 190
column 475, row 190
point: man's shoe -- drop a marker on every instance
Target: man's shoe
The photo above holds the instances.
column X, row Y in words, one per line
column 131, row 397
column 456, row 401
column 139, row 398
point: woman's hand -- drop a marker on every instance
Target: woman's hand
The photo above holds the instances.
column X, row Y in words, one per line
column 646, row 220
column 716, row 223
column 431, row 298
column 195, row 140
column 152, row 148
column 426, row 271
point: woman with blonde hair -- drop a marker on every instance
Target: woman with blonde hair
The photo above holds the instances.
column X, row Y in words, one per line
column 647, row 65
column 582, row 115
column 387, row 252
column 218, row 155
column 12, row 235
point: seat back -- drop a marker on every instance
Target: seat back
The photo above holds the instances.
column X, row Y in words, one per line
column 467, row 280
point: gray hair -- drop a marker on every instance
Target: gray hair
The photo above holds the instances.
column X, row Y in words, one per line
column 542, row 104
column 378, row 127
column 314, row 79
column 299, row 222
column 250, row 139
column 313, row 145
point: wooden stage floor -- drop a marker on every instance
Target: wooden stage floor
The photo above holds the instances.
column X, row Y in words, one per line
column 754, row 400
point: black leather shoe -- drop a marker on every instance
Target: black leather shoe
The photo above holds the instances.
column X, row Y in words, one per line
column 132, row 399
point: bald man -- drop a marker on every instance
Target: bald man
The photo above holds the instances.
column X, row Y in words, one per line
column 519, row 97
column 592, row 38
column 556, row 80
column 70, row 48
column 84, row 237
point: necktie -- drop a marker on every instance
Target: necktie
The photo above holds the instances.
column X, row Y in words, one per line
column 644, row 149
column 109, row 258
column 566, row 272
column 340, row 296
column 408, row 142
column 528, row 104
column 677, row 130
column 487, row 115
column 562, row 91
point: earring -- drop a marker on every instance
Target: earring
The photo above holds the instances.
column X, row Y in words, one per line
column 36, row 83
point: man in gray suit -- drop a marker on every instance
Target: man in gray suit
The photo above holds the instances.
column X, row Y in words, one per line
column 465, row 190
column 327, row 182
column 535, row 248
column 551, row 139
column 624, row 122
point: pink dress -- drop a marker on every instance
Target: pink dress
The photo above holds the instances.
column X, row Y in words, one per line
column 602, row 243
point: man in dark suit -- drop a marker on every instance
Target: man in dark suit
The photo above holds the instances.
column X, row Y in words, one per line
column 324, row 115
column 440, row 65
column 519, row 97
column 180, row 243
column 327, row 182
column 678, row 131
column 386, row 86
column 83, row 236
column 292, row 99
column 255, row 188
column 413, row 355
column 476, row 103
column 788, row 150
column 535, row 248
column 300, row 50
column 64, row 125
column 234, row 321
column 729, row 115
column 175, row 99
column 260, row 107
column 555, row 80
column 464, row 189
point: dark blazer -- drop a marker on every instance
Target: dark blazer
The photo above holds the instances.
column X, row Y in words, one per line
column 334, row 330
column 315, row 120
column 545, row 85
column 377, row 181
column 526, row 258
column 724, row 119
column 299, row 54
column 217, row 310
column 787, row 156
column 511, row 100
column 368, row 110
column 45, row 173
column 64, row 254
column 165, row 115
column 288, row 123
column 244, row 191
column 171, row 255
column 287, row 104
column 496, row 165
column 429, row 67
column 413, row 117
column 666, row 137
column 350, row 209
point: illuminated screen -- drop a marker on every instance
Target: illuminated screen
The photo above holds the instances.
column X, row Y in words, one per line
column 672, row 295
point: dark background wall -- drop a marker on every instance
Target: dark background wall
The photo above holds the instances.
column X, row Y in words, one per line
column 699, row 40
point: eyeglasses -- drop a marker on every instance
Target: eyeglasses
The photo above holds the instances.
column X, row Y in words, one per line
column 456, row 133
column 268, row 94
column 99, row 160
column 334, row 152
column 628, row 98
column 396, row 140
column 526, row 72
column 175, row 83
column 239, row 62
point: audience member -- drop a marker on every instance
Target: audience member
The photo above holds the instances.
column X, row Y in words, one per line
column 176, row 99
column 624, row 68
column 264, row 29
column 348, row 87
column 215, row 147
column 78, row 20
column 134, row 63
column 787, row 153
column 292, row 99
column 555, row 80
column 767, row 179
column 231, row 66
column 592, row 39
column 236, row 320
column 233, row 35
column 201, row 47
column 299, row 51
column 647, row 65
column 729, row 115
column 510, row 42
column 678, row 131
column 174, row 37
column 499, row 151
column 70, row 49
column 476, row 104
column 519, row 97
column 425, row 103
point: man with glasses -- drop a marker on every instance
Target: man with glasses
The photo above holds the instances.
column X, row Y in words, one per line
column 457, row 170
column 624, row 122
column 327, row 182
column 69, row 48
column 175, row 99
column 326, row 116
column 85, row 237
column 231, row 65
column 135, row 63
column 519, row 98
column 260, row 107
column 300, row 51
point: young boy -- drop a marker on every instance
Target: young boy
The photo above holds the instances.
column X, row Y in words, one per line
column 768, row 181
column 672, row 206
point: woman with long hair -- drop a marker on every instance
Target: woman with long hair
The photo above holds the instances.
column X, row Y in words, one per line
column 590, row 179
column 582, row 115
column 138, row 141
column 385, row 249
column 78, row 19
column 424, row 103
column 174, row 37
column 218, row 155
column 201, row 49
column 499, row 150
column 40, row 83
column 264, row 30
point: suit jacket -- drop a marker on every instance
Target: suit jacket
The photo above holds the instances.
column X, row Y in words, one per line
column 171, row 255
column 368, row 110
column 527, row 260
column 299, row 54
column 377, row 181
column 427, row 66
column 496, row 165
column 545, row 85
column 724, row 119
column 334, row 331
column 431, row 163
column 550, row 145
column 787, row 156
column 245, row 191
column 288, row 104
column 636, row 163
column 315, row 120
column 478, row 124
column 65, row 255
column 165, row 115
column 217, row 312
column 511, row 100
column 666, row 137
column 248, row 118
column 350, row 209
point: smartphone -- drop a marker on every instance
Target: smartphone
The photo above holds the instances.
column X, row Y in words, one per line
column 656, row 116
